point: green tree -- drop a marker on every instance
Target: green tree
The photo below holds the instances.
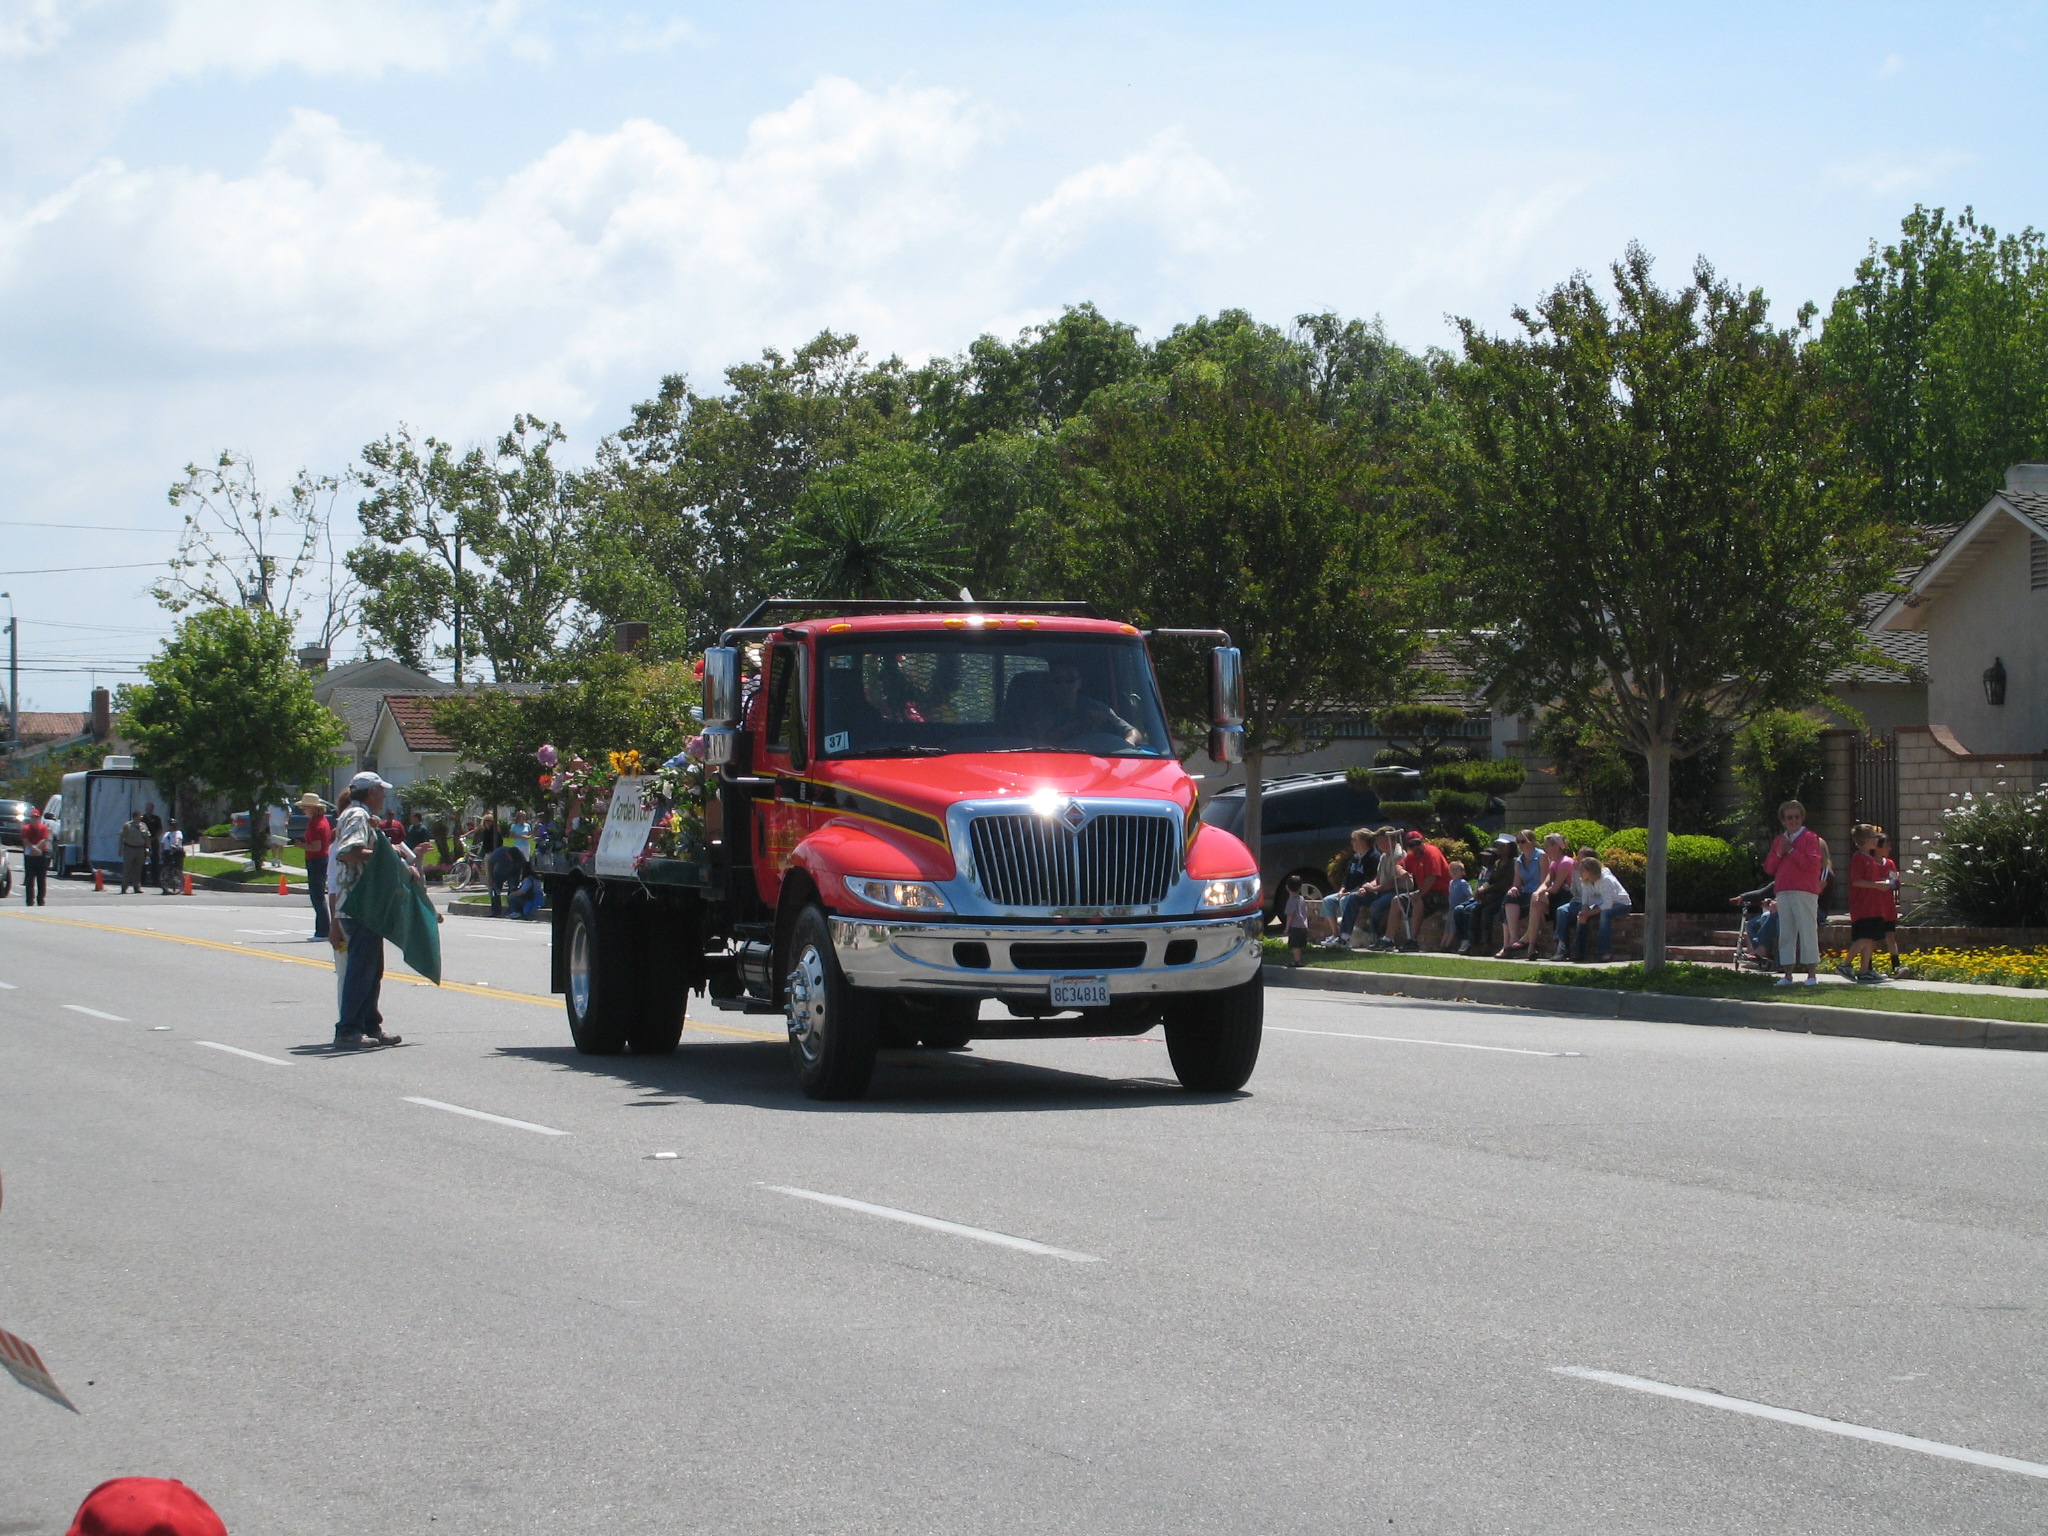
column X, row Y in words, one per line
column 689, row 500
column 1720, row 536
column 612, row 703
column 1219, row 496
column 1942, row 341
column 871, row 528
column 226, row 705
column 1777, row 758
column 240, row 546
column 485, row 545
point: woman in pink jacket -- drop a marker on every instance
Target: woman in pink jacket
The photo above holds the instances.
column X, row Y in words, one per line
column 1798, row 862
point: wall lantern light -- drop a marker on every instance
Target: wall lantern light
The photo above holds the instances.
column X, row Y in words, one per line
column 1994, row 682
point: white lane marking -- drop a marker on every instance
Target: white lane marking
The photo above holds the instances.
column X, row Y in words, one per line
column 236, row 1050
column 932, row 1223
column 1456, row 1045
column 478, row 1114
column 111, row 1018
column 495, row 938
column 1809, row 1421
column 8, row 986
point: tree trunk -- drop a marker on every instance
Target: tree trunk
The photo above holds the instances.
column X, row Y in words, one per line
column 1656, row 878
column 1254, row 799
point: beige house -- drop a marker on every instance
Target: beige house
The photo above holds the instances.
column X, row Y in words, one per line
column 1980, row 606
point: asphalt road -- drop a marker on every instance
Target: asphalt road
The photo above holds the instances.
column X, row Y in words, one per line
column 1345, row 1300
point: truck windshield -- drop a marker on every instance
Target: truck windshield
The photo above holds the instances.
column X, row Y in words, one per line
column 1001, row 691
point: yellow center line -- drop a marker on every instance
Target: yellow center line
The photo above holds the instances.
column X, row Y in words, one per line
column 327, row 965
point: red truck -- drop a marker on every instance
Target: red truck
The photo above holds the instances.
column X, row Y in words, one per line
column 917, row 808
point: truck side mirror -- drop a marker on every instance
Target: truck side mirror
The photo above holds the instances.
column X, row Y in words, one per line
column 721, row 703
column 1226, row 705
column 1226, row 686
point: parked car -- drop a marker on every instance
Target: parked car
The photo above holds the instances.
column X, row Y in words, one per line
column 53, row 813
column 13, row 813
column 1305, row 819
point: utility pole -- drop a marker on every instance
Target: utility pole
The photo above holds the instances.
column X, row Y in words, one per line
column 13, row 677
column 458, row 607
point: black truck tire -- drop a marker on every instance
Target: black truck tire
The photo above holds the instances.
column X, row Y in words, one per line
column 834, row 1026
column 599, row 994
column 947, row 1024
column 664, row 988
column 1212, row 1038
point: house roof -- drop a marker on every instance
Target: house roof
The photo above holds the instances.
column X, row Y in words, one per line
column 377, row 675
column 1962, row 549
column 358, row 709
column 413, row 714
column 41, row 725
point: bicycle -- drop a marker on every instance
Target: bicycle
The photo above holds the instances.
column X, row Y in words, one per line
column 466, row 873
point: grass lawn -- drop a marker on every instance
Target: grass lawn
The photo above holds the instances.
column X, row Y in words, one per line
column 1682, row 980
column 219, row 867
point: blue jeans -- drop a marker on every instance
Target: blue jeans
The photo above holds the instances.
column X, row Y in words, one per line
column 1343, row 910
column 527, row 899
column 362, row 979
column 1572, row 922
column 316, row 891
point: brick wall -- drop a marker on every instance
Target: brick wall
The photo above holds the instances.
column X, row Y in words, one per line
column 1934, row 770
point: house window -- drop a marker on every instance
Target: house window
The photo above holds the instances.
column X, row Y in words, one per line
column 2039, row 550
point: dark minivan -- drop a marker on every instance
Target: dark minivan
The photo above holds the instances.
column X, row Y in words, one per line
column 1307, row 818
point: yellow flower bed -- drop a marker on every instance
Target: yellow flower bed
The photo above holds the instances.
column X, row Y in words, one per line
column 1996, row 967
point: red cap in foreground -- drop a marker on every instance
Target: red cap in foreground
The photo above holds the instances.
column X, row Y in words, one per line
column 145, row 1506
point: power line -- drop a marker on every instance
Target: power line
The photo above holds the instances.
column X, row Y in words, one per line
column 83, row 527
column 65, row 570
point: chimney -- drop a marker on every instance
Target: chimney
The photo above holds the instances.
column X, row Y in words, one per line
column 102, row 714
column 313, row 658
column 2028, row 479
column 629, row 637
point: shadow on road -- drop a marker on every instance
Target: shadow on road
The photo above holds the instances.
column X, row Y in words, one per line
column 922, row 1082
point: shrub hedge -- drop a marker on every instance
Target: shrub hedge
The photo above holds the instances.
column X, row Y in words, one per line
column 1701, row 872
column 1577, row 834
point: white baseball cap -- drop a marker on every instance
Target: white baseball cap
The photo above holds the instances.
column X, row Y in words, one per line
column 366, row 781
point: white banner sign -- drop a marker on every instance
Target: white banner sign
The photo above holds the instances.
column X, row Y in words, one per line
column 626, row 826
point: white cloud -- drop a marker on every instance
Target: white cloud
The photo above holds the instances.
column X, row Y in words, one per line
column 69, row 73
column 1891, row 175
column 1167, row 184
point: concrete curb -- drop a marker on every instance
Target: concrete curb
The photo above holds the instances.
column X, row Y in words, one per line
column 1797, row 1018
column 458, row 909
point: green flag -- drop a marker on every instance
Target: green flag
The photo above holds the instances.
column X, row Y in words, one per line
column 388, row 901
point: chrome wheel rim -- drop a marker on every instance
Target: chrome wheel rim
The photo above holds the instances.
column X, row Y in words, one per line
column 807, row 1016
column 579, row 970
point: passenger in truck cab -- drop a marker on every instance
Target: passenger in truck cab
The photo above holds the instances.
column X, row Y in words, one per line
column 1054, row 709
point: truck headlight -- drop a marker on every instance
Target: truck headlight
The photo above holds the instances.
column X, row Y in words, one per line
column 904, row 895
column 1241, row 892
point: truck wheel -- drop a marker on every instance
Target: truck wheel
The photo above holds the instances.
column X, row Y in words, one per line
column 598, row 996
column 834, row 1027
column 1213, row 1037
column 664, row 990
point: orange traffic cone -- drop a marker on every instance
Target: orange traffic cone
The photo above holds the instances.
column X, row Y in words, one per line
column 282, row 888
column 188, row 885
column 99, row 879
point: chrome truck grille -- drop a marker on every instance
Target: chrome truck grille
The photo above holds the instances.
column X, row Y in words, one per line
column 1039, row 861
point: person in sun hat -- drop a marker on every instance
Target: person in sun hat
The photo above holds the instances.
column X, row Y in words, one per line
column 317, row 841
column 356, row 838
column 145, row 1506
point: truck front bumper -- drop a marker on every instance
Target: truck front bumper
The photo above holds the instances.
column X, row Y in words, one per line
column 962, row 959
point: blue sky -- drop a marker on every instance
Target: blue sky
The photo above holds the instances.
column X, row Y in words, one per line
column 285, row 226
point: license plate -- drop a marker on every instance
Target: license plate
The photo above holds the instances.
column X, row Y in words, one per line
column 1080, row 992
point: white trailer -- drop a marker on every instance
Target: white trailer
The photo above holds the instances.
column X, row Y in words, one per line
column 96, row 803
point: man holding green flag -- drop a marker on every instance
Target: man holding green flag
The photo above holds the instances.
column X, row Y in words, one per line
column 379, row 895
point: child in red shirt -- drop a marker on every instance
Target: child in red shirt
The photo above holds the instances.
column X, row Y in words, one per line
column 1873, row 902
